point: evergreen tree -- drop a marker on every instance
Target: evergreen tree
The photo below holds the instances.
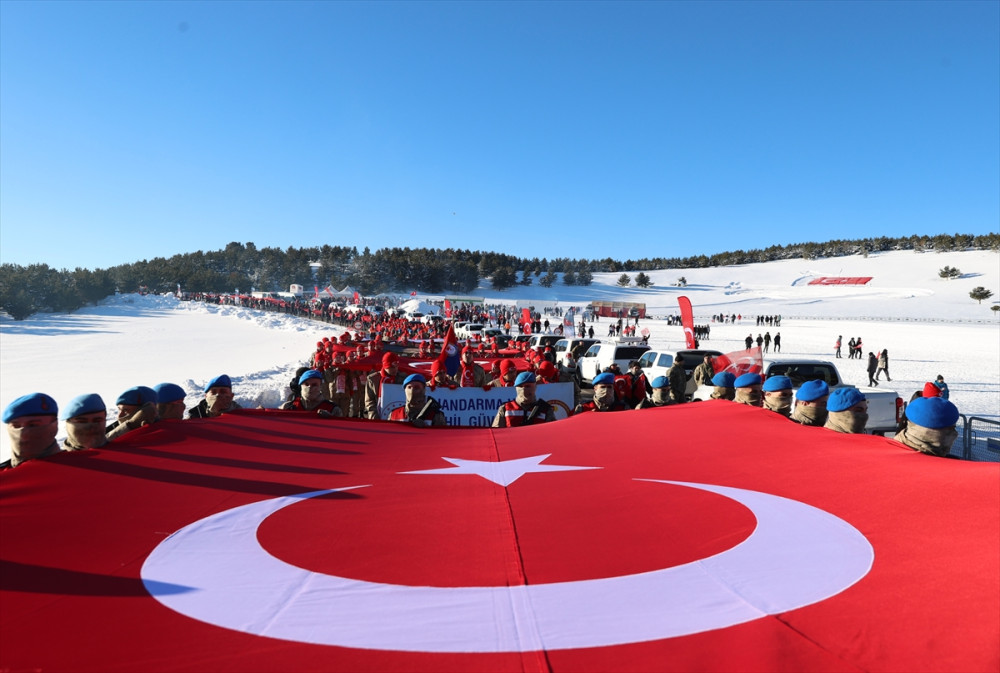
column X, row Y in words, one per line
column 503, row 278
column 980, row 293
column 624, row 280
column 642, row 280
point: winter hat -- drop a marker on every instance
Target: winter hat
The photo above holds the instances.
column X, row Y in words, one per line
column 724, row 380
column 506, row 366
column 524, row 377
column 606, row 379
column 931, row 390
column 468, row 349
column 309, row 374
column 389, row 359
column 660, row 382
column 140, row 395
column 932, row 412
column 843, row 399
column 220, row 381
column 82, row 404
column 747, row 380
column 35, row 404
column 810, row 391
column 168, row 392
column 775, row 383
column 414, row 378
column 546, row 368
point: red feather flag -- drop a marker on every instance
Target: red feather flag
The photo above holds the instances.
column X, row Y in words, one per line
column 687, row 321
column 267, row 540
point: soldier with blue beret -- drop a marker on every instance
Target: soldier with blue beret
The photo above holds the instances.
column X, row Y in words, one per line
column 31, row 426
column 85, row 417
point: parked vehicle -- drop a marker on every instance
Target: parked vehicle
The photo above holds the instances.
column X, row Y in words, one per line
column 495, row 332
column 575, row 346
column 603, row 353
column 469, row 330
column 543, row 340
column 885, row 407
column 656, row 363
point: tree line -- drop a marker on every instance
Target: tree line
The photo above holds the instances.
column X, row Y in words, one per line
column 25, row 290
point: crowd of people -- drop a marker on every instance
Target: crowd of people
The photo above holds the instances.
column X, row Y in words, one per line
column 344, row 378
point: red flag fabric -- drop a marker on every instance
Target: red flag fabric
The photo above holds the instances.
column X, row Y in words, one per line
column 447, row 308
column 450, row 357
column 356, row 297
column 526, row 321
column 687, row 321
column 750, row 361
column 283, row 541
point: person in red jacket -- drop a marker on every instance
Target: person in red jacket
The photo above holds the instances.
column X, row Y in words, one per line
column 525, row 408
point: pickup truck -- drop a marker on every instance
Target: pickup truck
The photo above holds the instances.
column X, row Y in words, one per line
column 600, row 356
column 656, row 363
column 885, row 407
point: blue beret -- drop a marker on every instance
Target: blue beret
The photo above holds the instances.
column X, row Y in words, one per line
column 810, row 391
column 774, row 383
column 169, row 392
column 660, row 382
column 932, row 412
column 414, row 378
column 843, row 399
column 137, row 396
column 724, row 380
column 524, row 377
column 309, row 374
column 220, row 381
column 35, row 404
column 747, row 380
column 604, row 379
column 83, row 404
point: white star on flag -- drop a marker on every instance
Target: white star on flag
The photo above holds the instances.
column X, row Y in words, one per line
column 504, row 472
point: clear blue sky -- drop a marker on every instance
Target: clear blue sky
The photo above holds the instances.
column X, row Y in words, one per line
column 130, row 130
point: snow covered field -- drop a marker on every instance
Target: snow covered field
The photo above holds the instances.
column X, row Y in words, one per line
column 929, row 325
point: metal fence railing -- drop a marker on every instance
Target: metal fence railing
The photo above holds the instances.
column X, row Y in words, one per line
column 979, row 439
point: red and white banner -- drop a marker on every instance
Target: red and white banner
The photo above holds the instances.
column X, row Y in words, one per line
column 267, row 540
column 526, row 321
column 687, row 321
column 749, row 361
column 447, row 308
column 357, row 297
column 475, row 407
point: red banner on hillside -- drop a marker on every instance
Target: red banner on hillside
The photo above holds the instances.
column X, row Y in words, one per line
column 841, row 280
column 268, row 540
column 687, row 321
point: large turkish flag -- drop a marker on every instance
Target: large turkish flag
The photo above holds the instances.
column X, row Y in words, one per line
column 709, row 536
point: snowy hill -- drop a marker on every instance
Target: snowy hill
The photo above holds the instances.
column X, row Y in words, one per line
column 130, row 340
